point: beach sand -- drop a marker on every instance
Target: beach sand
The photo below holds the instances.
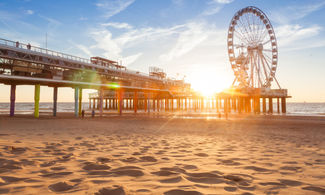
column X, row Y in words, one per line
column 146, row 155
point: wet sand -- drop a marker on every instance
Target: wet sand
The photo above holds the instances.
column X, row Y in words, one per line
column 141, row 155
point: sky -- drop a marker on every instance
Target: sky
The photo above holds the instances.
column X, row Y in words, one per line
column 186, row 38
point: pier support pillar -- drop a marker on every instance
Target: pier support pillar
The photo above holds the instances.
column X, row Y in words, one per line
column 120, row 102
column 283, row 105
column 101, row 102
column 264, row 104
column 270, row 105
column 106, row 104
column 135, row 102
column 94, row 103
column 36, row 99
column 12, row 99
column 278, row 105
column 239, row 106
column 55, row 100
column 80, row 102
column 158, row 104
column 145, row 102
column 76, row 94
column 148, row 103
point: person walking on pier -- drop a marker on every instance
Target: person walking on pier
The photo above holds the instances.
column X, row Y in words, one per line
column 17, row 44
column 29, row 46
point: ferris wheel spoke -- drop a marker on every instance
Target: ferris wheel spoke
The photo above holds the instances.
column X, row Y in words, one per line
column 242, row 37
column 244, row 26
column 241, row 29
column 266, row 42
column 247, row 16
column 264, row 67
column 242, row 40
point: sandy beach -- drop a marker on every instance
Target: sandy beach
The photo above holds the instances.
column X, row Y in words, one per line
column 147, row 155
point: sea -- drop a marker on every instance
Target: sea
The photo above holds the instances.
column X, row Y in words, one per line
column 301, row 109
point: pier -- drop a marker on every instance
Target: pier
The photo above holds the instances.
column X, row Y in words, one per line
column 119, row 89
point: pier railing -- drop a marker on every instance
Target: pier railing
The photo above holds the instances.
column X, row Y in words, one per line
column 45, row 51
column 42, row 50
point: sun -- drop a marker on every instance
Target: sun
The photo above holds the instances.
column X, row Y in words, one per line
column 208, row 84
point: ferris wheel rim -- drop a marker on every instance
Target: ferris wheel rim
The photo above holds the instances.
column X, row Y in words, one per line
column 261, row 59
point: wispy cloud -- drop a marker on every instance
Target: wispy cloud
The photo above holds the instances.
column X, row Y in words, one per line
column 291, row 37
column 293, row 13
column 113, row 7
column 188, row 39
column 84, row 49
column 214, row 6
column 29, row 12
column 118, row 25
column 224, row 1
column 114, row 47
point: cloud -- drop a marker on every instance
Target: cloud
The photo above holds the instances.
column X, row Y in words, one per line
column 51, row 21
column 293, row 13
column 118, row 25
column 84, row 49
column 113, row 46
column 29, row 12
column 178, row 2
column 215, row 6
column 113, row 7
column 224, row 1
column 130, row 59
column 293, row 37
column 187, row 40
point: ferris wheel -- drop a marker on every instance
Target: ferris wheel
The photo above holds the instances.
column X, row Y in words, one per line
column 252, row 49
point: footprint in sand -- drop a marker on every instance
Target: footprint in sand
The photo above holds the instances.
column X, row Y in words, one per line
column 171, row 180
column 130, row 159
column 15, row 150
column 116, row 190
column 56, row 174
column 293, row 168
column 258, row 169
column 8, row 165
column 189, row 167
column 9, row 179
column 92, row 166
column 314, row 189
column 290, row 182
column 202, row 154
column 60, row 187
column 229, row 162
column 48, row 164
column 103, row 160
column 164, row 173
column 206, row 178
column 148, row 159
column 182, row 192
column 230, row 189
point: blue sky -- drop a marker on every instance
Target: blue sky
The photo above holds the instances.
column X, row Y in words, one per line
column 184, row 37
